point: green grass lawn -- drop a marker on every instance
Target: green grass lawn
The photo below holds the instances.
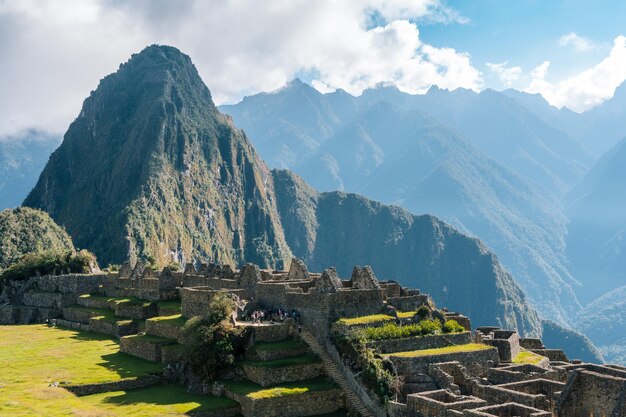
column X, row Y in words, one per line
column 527, row 358
column 305, row 359
column 159, row 400
column 34, row 356
column 470, row 347
column 365, row 319
column 255, row 391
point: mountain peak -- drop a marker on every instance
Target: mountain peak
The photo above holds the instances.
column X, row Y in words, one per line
column 148, row 166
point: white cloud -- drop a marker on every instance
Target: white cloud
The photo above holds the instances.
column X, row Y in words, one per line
column 55, row 51
column 540, row 71
column 580, row 43
column 588, row 88
column 507, row 75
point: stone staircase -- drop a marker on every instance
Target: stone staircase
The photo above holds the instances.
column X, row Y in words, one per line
column 333, row 372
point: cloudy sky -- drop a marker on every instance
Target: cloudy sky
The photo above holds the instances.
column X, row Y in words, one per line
column 54, row 52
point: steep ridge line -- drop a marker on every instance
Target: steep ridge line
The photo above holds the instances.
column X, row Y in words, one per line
column 356, row 401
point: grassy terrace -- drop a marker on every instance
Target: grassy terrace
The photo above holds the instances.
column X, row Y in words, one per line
column 118, row 300
column 151, row 339
column 374, row 318
column 470, row 347
column 175, row 320
column 170, row 305
column 102, row 314
column 406, row 314
column 33, row 357
column 255, row 391
column 161, row 400
column 305, row 359
column 527, row 358
column 281, row 345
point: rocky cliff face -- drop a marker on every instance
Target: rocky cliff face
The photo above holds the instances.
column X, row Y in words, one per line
column 150, row 168
column 344, row 230
column 24, row 230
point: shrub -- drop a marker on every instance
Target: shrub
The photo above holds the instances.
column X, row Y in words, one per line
column 452, row 326
column 422, row 312
column 430, row 326
column 50, row 262
column 395, row 331
column 365, row 362
column 174, row 266
column 209, row 343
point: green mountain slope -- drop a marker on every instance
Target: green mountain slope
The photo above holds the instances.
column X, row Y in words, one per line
column 24, row 230
column 421, row 251
column 150, row 168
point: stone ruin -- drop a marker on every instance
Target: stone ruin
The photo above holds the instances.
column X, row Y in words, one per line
column 483, row 383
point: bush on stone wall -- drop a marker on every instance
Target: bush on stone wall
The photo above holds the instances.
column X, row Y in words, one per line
column 396, row 331
column 363, row 361
column 452, row 326
column 209, row 343
column 50, row 262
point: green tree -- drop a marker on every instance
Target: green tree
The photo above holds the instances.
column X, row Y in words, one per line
column 209, row 343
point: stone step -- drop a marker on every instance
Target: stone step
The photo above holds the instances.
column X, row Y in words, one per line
column 145, row 346
column 297, row 399
column 299, row 368
column 355, row 401
column 48, row 299
column 267, row 351
column 169, row 327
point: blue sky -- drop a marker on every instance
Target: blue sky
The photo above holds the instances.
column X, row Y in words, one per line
column 526, row 32
column 56, row 51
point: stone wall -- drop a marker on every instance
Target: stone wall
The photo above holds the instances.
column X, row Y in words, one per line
column 420, row 342
column 139, row 347
column 306, row 404
column 531, row 343
column 507, row 343
column 268, row 332
column 121, row 385
column 506, row 410
column 408, row 303
column 553, row 354
column 195, row 301
column 439, row 403
column 163, row 329
column 271, row 376
column 476, row 362
column 589, row 393
column 517, row 373
column 135, row 310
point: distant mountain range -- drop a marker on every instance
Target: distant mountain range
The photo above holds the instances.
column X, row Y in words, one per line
column 482, row 162
column 22, row 158
column 152, row 170
column 596, row 242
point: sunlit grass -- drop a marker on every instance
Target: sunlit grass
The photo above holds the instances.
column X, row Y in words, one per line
column 252, row 390
column 527, row 357
column 470, row 347
column 365, row 319
column 33, row 357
